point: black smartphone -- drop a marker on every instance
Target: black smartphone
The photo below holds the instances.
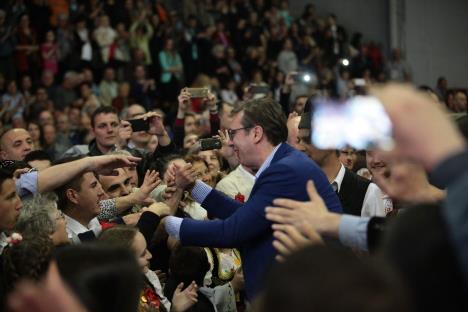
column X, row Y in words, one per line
column 139, row 124
column 259, row 89
column 210, row 144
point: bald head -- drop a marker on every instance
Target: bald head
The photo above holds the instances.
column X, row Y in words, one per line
column 15, row 144
column 135, row 111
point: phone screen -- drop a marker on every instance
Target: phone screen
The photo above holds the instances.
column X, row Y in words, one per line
column 360, row 122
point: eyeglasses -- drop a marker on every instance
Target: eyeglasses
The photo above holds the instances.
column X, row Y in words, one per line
column 232, row 132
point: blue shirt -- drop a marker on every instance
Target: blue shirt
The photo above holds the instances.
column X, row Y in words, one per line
column 26, row 184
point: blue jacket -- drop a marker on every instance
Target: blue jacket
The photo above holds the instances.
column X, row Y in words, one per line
column 244, row 225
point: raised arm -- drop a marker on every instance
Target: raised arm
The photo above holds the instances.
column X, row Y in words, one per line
column 51, row 178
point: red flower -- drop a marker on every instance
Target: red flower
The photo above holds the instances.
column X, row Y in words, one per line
column 151, row 297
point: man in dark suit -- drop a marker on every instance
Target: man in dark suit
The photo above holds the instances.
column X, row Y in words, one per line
column 257, row 135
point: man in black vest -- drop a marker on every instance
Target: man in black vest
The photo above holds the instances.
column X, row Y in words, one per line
column 358, row 196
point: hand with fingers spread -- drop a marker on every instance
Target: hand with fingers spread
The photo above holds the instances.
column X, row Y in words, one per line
column 150, row 182
column 305, row 216
column 288, row 239
column 407, row 182
column 184, row 299
column 106, row 164
column 125, row 133
column 227, row 151
column 185, row 176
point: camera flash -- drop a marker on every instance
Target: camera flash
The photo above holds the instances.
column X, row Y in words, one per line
column 345, row 62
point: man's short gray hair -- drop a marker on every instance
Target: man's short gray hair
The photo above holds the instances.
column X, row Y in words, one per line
column 38, row 215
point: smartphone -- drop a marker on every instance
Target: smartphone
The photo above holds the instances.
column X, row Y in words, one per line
column 210, row 144
column 196, row 93
column 360, row 122
column 259, row 89
column 139, row 124
column 304, row 77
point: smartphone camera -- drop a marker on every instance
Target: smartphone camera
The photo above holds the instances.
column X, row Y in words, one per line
column 139, row 124
column 210, row 144
column 304, row 78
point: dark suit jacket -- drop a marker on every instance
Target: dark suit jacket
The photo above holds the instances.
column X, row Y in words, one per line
column 243, row 225
column 352, row 192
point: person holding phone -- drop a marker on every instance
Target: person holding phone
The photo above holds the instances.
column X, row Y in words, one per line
column 106, row 126
column 185, row 123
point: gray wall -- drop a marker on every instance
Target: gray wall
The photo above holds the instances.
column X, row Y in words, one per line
column 433, row 33
column 435, row 40
column 369, row 17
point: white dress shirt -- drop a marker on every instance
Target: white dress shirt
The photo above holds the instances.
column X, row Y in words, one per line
column 373, row 204
column 74, row 228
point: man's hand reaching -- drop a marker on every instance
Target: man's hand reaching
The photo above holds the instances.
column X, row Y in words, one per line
column 151, row 181
column 106, row 164
column 185, row 176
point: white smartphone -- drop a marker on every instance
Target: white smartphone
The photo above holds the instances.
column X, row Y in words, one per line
column 360, row 122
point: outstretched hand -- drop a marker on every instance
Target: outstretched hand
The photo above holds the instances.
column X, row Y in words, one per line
column 185, row 176
column 106, row 164
column 308, row 216
column 184, row 299
column 227, row 151
column 150, row 182
column 172, row 196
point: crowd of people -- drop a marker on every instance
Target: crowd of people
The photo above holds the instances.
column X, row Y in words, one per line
column 157, row 156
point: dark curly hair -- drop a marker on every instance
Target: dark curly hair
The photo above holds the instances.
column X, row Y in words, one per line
column 28, row 258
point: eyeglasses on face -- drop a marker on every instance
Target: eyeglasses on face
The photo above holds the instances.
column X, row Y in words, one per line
column 232, row 132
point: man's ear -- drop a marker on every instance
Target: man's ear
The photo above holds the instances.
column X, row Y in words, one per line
column 258, row 134
column 72, row 196
column 3, row 155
